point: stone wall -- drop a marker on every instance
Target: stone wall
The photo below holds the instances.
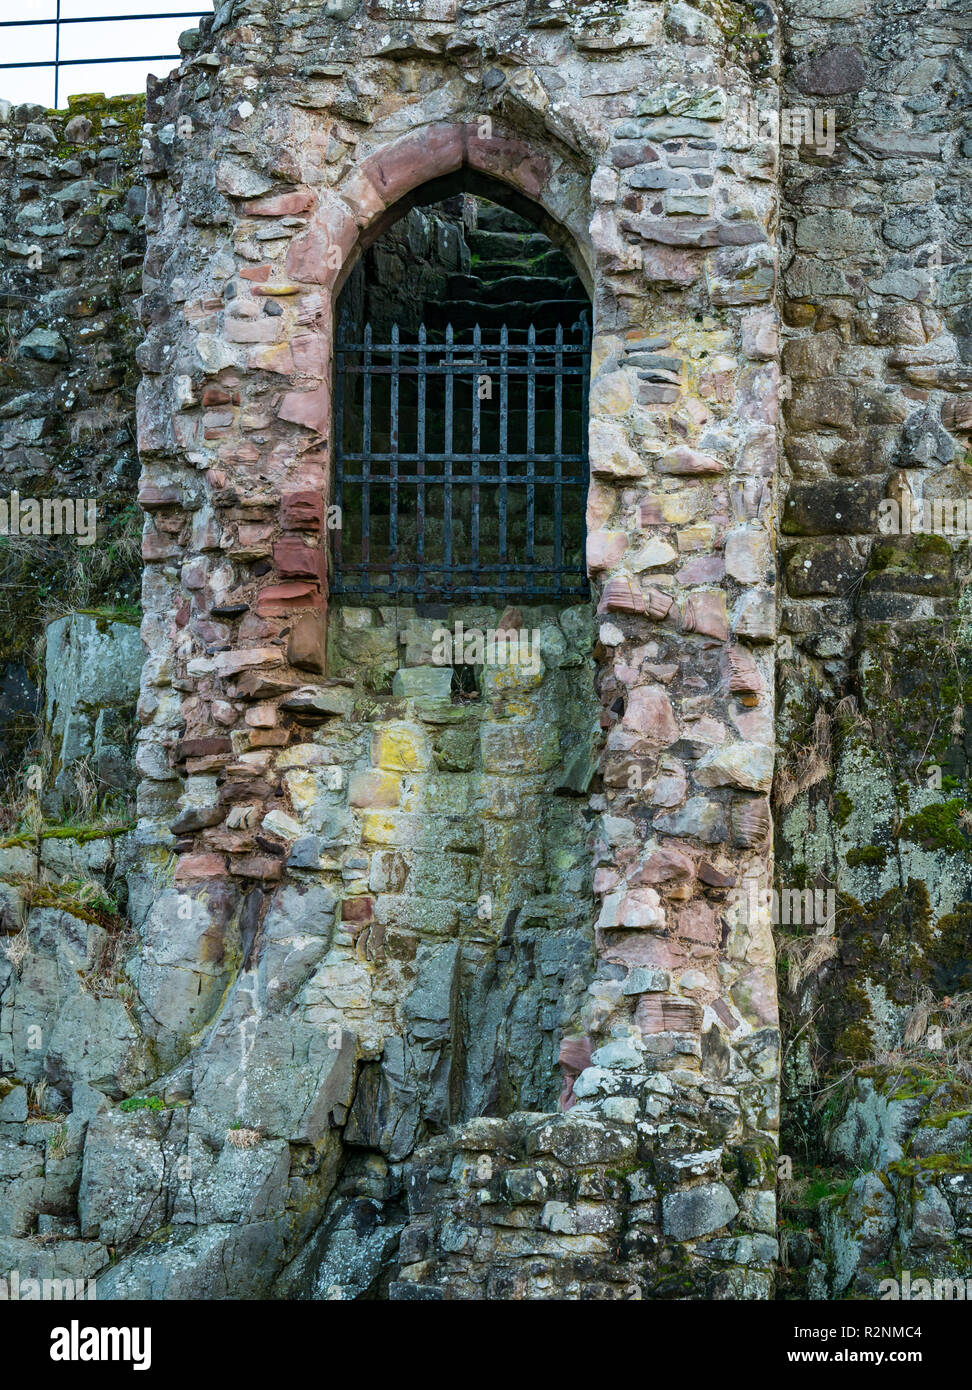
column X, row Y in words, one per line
column 873, row 790
column 407, row 267
column 438, row 911
column 71, row 203
column 269, row 171
column 422, row 983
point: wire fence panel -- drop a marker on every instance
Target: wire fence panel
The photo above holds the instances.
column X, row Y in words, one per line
column 56, row 38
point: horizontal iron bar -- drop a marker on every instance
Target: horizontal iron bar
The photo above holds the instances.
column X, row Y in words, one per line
column 438, row 478
column 433, row 347
column 83, row 62
column 102, row 18
column 427, row 567
column 461, row 590
column 481, row 368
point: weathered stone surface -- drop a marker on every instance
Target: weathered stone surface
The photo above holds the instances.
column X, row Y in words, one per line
column 697, row 1212
column 423, row 682
column 92, row 670
column 296, row 1039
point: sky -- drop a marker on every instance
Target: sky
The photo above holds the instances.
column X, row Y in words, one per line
column 22, row 42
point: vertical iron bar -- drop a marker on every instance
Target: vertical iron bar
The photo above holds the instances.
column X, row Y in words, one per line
column 558, row 450
column 366, row 460
column 531, row 437
column 57, row 53
column 447, row 451
column 584, row 379
column 420, row 461
column 503, row 434
column 526, row 577
column 339, row 448
column 474, row 521
column 393, row 450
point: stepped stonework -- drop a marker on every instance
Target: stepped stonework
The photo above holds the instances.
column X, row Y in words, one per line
column 342, row 957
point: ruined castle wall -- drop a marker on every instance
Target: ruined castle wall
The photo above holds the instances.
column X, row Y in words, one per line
column 305, row 1025
column 410, row 266
column 317, row 982
column 873, row 785
column 263, row 197
column 71, row 251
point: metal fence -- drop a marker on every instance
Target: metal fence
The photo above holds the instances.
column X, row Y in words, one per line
column 59, row 21
column 460, row 464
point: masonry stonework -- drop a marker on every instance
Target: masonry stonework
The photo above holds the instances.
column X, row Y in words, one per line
column 611, row 133
column 407, row 980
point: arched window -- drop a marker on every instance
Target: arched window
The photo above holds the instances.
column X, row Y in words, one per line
column 462, row 365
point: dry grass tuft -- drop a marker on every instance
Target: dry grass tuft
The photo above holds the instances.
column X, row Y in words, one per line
column 18, row 949
column 810, row 763
column 805, row 955
column 937, row 1037
column 243, row 1138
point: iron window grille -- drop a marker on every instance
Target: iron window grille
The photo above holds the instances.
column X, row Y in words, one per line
column 461, row 464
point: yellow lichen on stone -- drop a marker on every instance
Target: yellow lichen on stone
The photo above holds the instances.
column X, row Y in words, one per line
column 401, row 747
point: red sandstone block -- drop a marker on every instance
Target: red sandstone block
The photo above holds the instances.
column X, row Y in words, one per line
column 604, row 549
column 277, row 358
column 357, row 910
column 195, row 866
column 698, row 922
column 621, row 596
column 156, row 547
column 715, row 877
column 309, row 408
column 649, row 712
column 263, row 685
column 306, row 645
column 664, row 864
column 302, row 511
column 629, row 154
column 308, row 353
column 232, row 842
column 198, row 766
column 362, row 197
column 218, row 395
column 511, row 160
column 414, row 159
column 257, row 866
column 151, row 497
column 705, row 613
column 259, row 274
column 237, row 453
column 659, row 1014
column 262, row 330
column 283, row 205
column 185, row 431
column 317, row 255
column 253, row 533
column 373, row 787
column 295, row 560
column 212, row 746
column 280, row 600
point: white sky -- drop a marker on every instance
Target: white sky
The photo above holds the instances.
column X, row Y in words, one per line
column 35, row 43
